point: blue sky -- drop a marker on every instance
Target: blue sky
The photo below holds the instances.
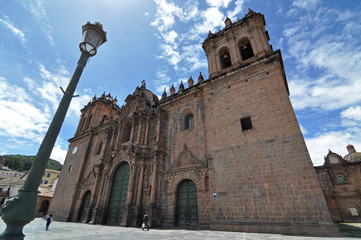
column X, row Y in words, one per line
column 160, row 41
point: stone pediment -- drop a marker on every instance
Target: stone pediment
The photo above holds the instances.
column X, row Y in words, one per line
column 186, row 160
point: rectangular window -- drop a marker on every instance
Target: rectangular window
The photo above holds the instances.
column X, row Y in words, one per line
column 246, row 123
column 46, row 182
column 353, row 212
column 189, row 123
column 48, row 175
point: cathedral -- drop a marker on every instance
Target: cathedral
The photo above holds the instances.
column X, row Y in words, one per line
column 340, row 179
column 223, row 153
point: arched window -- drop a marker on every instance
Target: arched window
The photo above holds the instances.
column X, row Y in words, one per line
column 341, row 179
column 189, row 122
column 225, row 59
column 246, row 51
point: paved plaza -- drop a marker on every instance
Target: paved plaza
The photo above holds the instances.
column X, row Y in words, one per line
column 66, row 231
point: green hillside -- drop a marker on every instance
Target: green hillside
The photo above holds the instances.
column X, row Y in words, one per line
column 23, row 163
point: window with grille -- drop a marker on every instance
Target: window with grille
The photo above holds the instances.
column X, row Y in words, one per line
column 189, row 122
column 341, row 179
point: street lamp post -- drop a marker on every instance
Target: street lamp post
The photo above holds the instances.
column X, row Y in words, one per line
column 20, row 210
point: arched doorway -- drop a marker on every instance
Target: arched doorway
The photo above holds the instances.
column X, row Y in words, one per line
column 187, row 207
column 118, row 195
column 44, row 207
column 84, row 206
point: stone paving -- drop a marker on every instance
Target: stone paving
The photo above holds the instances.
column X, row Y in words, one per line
column 66, row 231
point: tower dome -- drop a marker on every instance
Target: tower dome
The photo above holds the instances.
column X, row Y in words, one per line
column 352, row 155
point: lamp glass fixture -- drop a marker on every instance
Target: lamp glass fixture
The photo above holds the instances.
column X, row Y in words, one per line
column 93, row 37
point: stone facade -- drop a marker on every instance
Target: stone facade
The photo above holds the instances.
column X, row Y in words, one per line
column 340, row 179
column 226, row 153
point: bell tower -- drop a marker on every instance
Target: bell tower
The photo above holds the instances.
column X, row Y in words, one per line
column 98, row 111
column 237, row 44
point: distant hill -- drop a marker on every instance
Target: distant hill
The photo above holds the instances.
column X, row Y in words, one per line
column 23, row 163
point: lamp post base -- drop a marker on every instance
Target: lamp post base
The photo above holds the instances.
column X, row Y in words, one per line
column 14, row 230
column 17, row 212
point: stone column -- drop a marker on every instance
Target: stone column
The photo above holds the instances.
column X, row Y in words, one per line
column 146, row 132
column 139, row 135
column 98, row 169
column 237, row 60
column 114, row 138
column 131, row 186
column 132, row 131
column 158, row 129
column 218, row 64
column 118, row 137
column 154, row 184
column 140, row 185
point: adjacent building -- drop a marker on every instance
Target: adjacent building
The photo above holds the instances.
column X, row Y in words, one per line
column 224, row 153
column 9, row 187
column 6, row 172
column 340, row 179
column 49, row 176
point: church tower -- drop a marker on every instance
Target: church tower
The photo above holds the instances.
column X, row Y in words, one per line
column 237, row 44
column 245, row 156
column 98, row 111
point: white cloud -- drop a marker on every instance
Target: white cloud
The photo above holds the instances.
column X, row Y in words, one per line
column 211, row 19
column 20, row 119
column 238, row 8
column 26, row 111
column 168, row 12
column 38, row 9
column 165, row 15
column 16, row 31
column 49, row 89
column 192, row 56
column 325, row 96
column 77, row 103
column 353, row 113
column 345, row 15
column 58, row 154
column 170, row 36
column 306, row 4
column 336, row 141
column 335, row 56
column 170, row 54
column 218, row 3
column 162, row 81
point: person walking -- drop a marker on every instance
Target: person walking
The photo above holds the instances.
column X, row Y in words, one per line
column 49, row 219
column 145, row 222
